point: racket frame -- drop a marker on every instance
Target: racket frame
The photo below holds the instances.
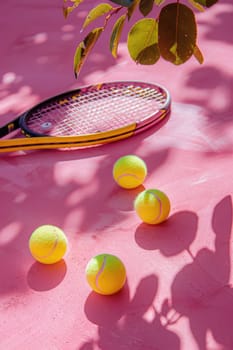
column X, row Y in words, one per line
column 41, row 141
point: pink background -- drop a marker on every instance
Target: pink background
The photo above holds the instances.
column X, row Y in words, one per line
column 179, row 275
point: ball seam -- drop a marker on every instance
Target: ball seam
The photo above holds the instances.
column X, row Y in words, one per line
column 160, row 206
column 48, row 255
column 99, row 273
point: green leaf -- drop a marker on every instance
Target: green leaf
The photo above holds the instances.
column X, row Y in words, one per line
column 116, row 34
column 124, row 3
column 198, row 54
column 142, row 41
column 177, row 33
column 146, row 6
column 84, row 48
column 206, row 3
column 97, row 12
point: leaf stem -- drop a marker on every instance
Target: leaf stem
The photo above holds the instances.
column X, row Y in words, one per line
column 113, row 12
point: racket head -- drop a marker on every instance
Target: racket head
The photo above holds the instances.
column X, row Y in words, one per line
column 102, row 110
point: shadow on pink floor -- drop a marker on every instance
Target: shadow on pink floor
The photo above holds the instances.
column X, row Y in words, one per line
column 190, row 156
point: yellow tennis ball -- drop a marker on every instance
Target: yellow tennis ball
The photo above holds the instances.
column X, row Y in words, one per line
column 152, row 206
column 129, row 171
column 48, row 244
column 106, row 274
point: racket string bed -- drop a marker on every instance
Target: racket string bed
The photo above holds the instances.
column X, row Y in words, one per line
column 88, row 116
column 96, row 110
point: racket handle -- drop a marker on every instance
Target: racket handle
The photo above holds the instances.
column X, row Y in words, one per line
column 9, row 127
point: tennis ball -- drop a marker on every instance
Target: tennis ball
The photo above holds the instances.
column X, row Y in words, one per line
column 48, row 244
column 106, row 274
column 152, row 206
column 129, row 171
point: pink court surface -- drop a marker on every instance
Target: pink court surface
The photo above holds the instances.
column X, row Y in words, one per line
column 178, row 294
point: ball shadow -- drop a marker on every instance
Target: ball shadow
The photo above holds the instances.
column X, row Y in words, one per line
column 123, row 199
column 105, row 310
column 42, row 277
column 171, row 237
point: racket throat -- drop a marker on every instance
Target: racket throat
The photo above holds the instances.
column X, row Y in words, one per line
column 10, row 127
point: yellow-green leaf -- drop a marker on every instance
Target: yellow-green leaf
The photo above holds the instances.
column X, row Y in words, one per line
column 116, row 34
column 65, row 11
column 142, row 41
column 69, row 9
column 177, row 33
column 84, row 48
column 97, row 12
column 146, row 6
column 198, row 54
column 149, row 55
column 206, row 3
column 158, row 2
column 197, row 6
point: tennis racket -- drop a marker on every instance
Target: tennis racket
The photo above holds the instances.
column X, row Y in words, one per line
column 91, row 115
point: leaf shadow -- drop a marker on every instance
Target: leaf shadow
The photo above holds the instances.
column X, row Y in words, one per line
column 202, row 292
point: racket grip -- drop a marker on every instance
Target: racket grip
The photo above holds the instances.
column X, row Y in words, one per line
column 8, row 128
